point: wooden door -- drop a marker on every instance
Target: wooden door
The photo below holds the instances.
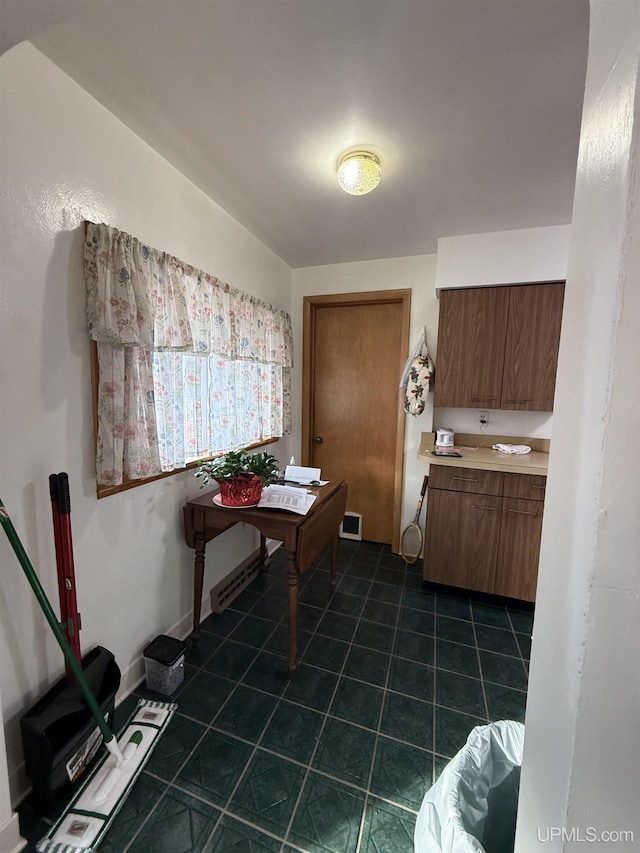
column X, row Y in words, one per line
column 461, row 541
column 355, row 346
column 519, row 552
column 531, row 351
column 471, row 340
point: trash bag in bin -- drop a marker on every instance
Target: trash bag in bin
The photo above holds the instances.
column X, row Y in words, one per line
column 472, row 806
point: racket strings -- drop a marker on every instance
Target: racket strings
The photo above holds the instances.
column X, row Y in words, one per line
column 411, row 543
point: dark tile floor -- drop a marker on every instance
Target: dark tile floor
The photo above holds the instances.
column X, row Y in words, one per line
column 392, row 679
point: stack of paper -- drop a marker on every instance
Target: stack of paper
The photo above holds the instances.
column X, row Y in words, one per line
column 293, row 499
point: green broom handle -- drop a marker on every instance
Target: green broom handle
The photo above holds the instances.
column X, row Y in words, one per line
column 43, row 601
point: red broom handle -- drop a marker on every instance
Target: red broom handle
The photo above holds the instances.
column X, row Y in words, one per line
column 66, row 540
column 53, row 491
column 57, row 538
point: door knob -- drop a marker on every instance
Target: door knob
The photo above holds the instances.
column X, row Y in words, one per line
column 318, row 439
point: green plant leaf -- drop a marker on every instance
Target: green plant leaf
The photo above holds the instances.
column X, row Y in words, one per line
column 236, row 463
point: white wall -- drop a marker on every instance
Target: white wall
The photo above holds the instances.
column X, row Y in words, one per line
column 416, row 273
column 64, row 159
column 528, row 255
column 525, row 256
column 581, row 767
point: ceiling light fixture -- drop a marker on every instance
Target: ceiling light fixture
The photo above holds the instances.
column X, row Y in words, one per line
column 359, row 172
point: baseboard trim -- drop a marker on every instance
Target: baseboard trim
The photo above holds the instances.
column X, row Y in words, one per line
column 10, row 839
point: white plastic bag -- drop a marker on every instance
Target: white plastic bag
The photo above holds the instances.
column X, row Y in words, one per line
column 475, row 799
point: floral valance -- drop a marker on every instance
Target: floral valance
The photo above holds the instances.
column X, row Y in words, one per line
column 139, row 296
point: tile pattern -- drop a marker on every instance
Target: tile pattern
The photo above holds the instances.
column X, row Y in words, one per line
column 392, row 679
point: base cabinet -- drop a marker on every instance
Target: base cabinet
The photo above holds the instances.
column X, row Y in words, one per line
column 462, row 539
column 483, row 530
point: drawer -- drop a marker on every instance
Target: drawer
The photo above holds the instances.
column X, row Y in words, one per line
column 456, row 479
column 525, row 486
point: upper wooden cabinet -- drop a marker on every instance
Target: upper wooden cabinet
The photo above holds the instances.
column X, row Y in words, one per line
column 470, row 359
column 498, row 347
column 531, row 350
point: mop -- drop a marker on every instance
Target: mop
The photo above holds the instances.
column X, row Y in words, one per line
column 87, row 818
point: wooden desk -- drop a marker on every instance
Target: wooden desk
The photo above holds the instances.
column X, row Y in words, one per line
column 304, row 536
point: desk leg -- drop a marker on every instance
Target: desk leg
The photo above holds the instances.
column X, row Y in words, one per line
column 334, row 554
column 292, row 576
column 263, row 552
column 198, row 578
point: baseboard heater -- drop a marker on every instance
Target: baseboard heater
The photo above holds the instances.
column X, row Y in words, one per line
column 230, row 587
column 351, row 526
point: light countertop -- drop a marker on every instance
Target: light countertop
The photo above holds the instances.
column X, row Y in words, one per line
column 477, row 453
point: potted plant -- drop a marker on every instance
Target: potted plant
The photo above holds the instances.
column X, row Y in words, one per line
column 240, row 475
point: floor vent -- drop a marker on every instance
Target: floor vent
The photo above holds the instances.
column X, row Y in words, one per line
column 232, row 585
column 351, row 527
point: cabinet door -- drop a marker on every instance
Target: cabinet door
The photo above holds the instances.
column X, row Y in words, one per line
column 470, row 355
column 519, row 551
column 461, row 540
column 531, row 351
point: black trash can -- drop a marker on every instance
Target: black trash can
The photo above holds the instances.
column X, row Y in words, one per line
column 164, row 664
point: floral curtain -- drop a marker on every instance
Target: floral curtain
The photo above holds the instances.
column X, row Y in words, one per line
column 188, row 366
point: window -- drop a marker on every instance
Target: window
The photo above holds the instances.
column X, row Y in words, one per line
column 187, row 367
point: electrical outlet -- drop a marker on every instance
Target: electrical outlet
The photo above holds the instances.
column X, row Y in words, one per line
column 483, row 418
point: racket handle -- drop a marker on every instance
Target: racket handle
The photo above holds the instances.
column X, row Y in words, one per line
column 422, row 494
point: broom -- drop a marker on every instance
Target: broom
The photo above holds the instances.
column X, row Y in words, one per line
column 61, row 512
column 87, row 818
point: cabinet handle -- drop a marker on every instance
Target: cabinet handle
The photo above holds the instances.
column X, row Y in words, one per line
column 519, row 401
column 495, row 508
column 522, row 512
column 538, row 487
column 465, row 479
column 483, row 398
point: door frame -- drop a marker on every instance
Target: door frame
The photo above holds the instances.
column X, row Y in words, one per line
column 335, row 300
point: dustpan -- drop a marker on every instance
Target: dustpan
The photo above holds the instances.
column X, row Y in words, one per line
column 60, row 737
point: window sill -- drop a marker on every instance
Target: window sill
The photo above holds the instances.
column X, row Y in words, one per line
column 103, row 491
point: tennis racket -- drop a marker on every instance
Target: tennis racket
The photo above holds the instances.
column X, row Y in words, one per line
column 412, row 538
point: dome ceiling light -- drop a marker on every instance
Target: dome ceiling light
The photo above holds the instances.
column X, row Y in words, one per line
column 359, row 172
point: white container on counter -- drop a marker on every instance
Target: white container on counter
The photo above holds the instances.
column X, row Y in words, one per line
column 444, row 437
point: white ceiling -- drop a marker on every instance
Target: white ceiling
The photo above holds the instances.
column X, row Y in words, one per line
column 473, row 106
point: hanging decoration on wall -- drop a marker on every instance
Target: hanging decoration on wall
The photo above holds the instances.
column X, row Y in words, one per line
column 417, row 377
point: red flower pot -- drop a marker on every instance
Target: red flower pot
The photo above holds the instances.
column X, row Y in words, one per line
column 243, row 490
